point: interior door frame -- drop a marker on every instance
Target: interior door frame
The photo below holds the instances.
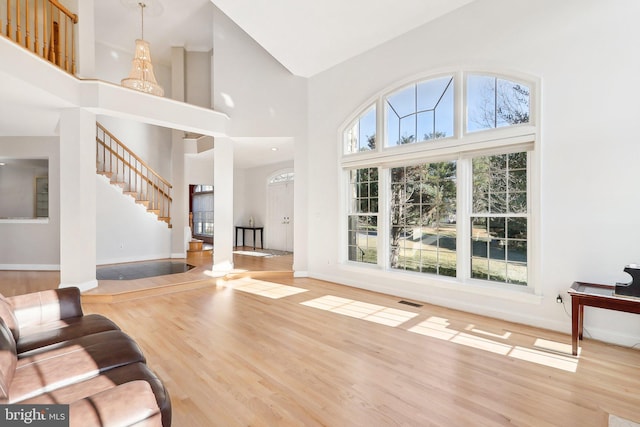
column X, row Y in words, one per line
column 269, row 214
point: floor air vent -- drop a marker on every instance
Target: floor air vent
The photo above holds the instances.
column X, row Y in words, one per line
column 412, row 304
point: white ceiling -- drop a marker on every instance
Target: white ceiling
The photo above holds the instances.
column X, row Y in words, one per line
column 305, row 36
column 167, row 23
column 308, row 37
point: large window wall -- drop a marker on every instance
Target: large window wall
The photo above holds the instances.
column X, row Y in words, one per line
column 438, row 181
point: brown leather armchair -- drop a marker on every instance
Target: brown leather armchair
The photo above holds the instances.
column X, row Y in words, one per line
column 50, row 352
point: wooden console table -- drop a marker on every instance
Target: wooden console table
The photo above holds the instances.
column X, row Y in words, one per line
column 595, row 295
column 254, row 229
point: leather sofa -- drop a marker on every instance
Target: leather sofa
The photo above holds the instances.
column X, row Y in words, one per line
column 51, row 353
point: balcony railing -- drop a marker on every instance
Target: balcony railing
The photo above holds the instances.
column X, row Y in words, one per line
column 44, row 27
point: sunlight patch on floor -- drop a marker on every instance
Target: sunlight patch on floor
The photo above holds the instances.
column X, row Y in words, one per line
column 615, row 421
column 553, row 360
column 475, row 330
column 262, row 288
column 548, row 353
column 481, row 343
column 361, row 310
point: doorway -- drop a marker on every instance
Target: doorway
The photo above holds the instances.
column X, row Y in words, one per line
column 201, row 212
column 279, row 226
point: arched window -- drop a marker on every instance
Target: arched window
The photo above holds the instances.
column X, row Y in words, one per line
column 420, row 112
column 494, row 102
column 281, row 177
column 361, row 134
column 439, row 197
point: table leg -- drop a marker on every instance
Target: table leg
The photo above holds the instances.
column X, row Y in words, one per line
column 254, row 239
column 580, row 321
column 236, row 236
column 575, row 325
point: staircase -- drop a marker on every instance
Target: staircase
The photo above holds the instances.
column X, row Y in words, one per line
column 197, row 252
column 128, row 171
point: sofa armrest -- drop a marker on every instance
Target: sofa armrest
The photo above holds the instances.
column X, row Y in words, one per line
column 46, row 306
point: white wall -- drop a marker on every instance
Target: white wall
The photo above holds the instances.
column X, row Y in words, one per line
column 198, row 78
column 126, row 231
column 257, row 92
column 254, row 192
column 114, row 64
column 33, row 245
column 582, row 53
column 199, row 169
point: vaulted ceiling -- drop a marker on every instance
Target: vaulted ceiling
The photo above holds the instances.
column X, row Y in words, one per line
column 305, row 36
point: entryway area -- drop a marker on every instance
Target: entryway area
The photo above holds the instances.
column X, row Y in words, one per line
column 280, row 211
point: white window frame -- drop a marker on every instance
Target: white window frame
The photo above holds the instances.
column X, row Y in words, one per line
column 462, row 147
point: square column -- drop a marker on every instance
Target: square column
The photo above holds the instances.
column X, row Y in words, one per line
column 78, row 199
column 180, row 232
column 223, row 230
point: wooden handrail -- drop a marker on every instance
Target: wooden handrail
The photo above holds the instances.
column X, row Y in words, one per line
column 102, row 128
column 125, row 162
column 72, row 16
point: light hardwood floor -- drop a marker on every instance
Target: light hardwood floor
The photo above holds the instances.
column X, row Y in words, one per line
column 233, row 358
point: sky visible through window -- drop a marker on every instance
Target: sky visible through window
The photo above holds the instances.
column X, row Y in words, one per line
column 425, row 111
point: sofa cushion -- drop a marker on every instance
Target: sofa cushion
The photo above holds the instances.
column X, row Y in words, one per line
column 70, row 362
column 9, row 317
column 8, row 359
column 105, row 381
column 123, row 405
column 34, row 338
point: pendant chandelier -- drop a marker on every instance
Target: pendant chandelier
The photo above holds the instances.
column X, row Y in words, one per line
column 141, row 76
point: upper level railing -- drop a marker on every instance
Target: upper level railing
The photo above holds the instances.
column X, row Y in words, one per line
column 124, row 166
column 44, row 27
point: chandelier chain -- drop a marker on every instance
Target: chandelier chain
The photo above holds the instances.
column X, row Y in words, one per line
column 142, row 6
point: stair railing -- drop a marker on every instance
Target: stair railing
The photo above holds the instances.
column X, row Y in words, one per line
column 113, row 158
column 44, row 27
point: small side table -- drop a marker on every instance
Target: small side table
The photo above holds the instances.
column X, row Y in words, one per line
column 595, row 295
column 254, row 229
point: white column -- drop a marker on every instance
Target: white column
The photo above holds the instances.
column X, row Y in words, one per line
column 85, row 40
column 180, row 235
column 78, row 199
column 180, row 203
column 223, row 229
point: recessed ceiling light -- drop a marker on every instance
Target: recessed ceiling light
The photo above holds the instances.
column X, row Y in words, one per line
column 274, row 149
column 2, row 163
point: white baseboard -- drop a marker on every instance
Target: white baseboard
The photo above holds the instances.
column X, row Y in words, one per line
column 300, row 274
column 31, row 267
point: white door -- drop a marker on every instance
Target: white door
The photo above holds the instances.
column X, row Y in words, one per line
column 279, row 228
